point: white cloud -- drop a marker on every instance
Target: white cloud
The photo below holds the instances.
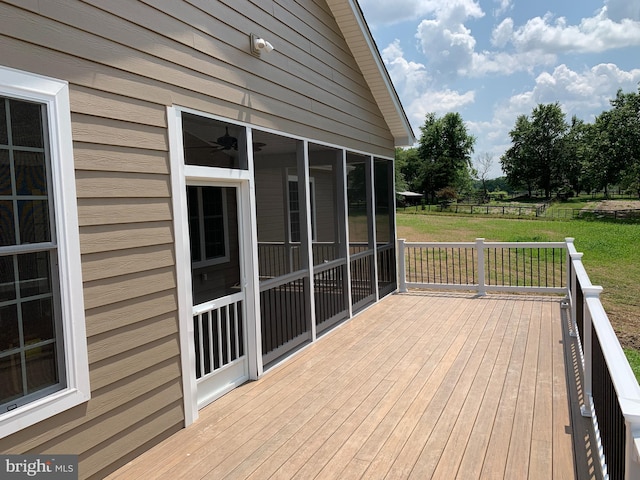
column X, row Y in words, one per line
column 505, row 6
column 502, row 33
column 386, row 12
column 553, row 35
column 416, row 87
column 444, row 39
column 508, row 63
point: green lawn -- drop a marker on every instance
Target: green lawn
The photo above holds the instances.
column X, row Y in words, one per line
column 611, row 254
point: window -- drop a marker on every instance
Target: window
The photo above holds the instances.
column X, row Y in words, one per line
column 209, row 232
column 294, row 209
column 43, row 359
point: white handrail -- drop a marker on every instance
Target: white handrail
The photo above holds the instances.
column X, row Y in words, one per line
column 622, row 376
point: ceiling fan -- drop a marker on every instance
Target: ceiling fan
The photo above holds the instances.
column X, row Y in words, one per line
column 227, row 142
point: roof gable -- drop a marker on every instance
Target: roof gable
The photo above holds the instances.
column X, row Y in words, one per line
column 353, row 26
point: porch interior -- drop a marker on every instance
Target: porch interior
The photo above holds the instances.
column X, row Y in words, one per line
column 421, row 385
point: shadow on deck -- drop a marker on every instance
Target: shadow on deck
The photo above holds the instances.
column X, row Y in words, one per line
column 421, row 385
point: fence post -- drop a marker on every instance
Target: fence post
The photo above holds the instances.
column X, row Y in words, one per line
column 401, row 266
column 480, row 251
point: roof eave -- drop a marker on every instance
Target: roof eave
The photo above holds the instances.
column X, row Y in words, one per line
column 349, row 15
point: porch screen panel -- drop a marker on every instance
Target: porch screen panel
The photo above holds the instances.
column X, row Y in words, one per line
column 361, row 248
column 385, row 226
column 282, row 235
column 212, row 143
column 329, row 243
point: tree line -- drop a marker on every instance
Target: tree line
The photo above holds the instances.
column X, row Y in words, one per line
column 547, row 153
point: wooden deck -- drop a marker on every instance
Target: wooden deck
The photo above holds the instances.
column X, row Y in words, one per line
column 422, row 385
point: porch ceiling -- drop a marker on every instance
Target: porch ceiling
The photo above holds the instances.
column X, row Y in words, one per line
column 421, row 385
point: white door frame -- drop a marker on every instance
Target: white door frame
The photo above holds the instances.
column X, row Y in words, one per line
column 181, row 175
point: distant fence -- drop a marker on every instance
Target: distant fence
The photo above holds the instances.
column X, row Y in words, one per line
column 484, row 209
column 530, row 211
column 623, row 214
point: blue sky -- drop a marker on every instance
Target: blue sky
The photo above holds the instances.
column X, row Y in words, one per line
column 492, row 60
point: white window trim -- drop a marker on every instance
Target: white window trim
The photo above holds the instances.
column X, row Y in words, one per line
column 312, row 201
column 55, row 95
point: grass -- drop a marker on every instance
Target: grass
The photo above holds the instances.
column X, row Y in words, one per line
column 610, row 255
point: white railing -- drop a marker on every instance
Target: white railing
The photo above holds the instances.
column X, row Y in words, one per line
column 532, row 267
column 218, row 327
column 612, row 393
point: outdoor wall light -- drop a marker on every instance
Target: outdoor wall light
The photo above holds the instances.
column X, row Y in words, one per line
column 259, row 45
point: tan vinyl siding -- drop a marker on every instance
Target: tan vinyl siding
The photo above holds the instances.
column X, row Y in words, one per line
column 125, row 62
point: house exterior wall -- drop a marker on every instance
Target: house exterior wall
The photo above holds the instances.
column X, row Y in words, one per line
column 125, row 62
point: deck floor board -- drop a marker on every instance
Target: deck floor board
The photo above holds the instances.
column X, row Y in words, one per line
column 421, row 385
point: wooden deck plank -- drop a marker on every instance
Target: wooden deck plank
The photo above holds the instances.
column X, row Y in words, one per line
column 333, row 401
column 522, row 428
column 423, row 385
column 542, row 431
column 563, row 451
column 460, row 437
column 424, row 413
column 475, row 452
column 498, row 449
column 444, row 431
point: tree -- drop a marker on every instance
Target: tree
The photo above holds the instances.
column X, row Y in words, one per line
column 536, row 157
column 407, row 169
column 548, row 128
column 445, row 154
column 483, row 167
column 623, row 128
column 575, row 155
column 518, row 162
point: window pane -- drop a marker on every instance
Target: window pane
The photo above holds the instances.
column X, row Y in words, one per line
column 37, row 321
column 275, row 164
column 41, row 367
column 7, row 279
column 9, row 336
column 5, row 172
column 11, row 374
column 357, row 179
column 4, row 138
column 212, row 143
column 7, row 227
column 327, row 203
column 30, row 173
column 194, row 223
column 34, row 273
column 213, row 222
column 26, row 124
column 384, row 213
column 34, row 221
column 220, row 275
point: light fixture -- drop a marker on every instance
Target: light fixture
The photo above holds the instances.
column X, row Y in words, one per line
column 259, row 45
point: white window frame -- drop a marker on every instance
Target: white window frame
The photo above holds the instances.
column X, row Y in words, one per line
column 312, row 202
column 54, row 94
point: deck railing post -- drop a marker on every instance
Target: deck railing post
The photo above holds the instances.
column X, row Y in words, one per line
column 480, row 251
column 402, row 273
column 587, row 350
